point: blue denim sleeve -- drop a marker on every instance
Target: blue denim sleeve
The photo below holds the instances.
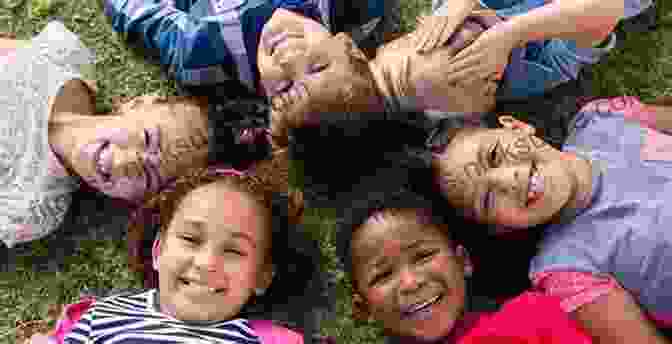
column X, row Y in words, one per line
column 185, row 45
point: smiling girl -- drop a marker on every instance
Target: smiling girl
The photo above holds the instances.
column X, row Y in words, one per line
column 603, row 201
column 227, row 254
column 51, row 140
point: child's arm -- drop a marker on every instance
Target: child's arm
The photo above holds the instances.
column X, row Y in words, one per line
column 657, row 115
column 617, row 318
column 434, row 30
column 604, row 309
column 583, row 21
column 179, row 40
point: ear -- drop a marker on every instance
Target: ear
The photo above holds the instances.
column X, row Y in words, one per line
column 510, row 122
column 353, row 49
column 360, row 310
column 463, row 255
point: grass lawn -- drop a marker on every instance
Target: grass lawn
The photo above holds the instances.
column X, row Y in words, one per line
column 642, row 67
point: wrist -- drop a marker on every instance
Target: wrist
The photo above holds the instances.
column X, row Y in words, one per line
column 516, row 33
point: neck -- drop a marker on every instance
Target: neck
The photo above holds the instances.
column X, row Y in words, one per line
column 583, row 186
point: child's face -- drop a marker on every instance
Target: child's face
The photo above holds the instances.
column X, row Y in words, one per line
column 506, row 176
column 408, row 276
column 213, row 255
column 306, row 70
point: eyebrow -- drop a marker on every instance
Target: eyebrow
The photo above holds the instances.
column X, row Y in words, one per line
column 378, row 262
column 199, row 224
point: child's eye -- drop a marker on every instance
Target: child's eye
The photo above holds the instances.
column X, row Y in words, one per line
column 423, row 256
column 318, row 67
column 189, row 239
column 380, row 277
column 234, row 251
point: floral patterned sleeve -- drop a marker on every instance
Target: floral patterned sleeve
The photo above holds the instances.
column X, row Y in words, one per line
column 575, row 289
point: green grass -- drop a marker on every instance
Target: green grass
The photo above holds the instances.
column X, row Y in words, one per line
column 642, row 67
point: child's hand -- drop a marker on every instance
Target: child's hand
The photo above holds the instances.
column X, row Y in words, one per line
column 486, row 58
column 434, row 31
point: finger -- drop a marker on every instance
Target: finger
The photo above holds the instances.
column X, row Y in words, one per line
column 442, row 30
column 457, row 77
column 490, row 89
column 470, row 62
column 473, row 79
column 444, row 27
column 464, row 53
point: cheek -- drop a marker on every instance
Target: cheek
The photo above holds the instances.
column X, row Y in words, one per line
column 237, row 272
column 446, row 265
column 377, row 298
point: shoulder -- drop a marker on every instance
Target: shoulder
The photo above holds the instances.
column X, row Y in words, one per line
column 605, row 108
column 568, row 246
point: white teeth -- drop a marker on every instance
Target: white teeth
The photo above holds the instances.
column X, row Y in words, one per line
column 424, row 304
column 536, row 183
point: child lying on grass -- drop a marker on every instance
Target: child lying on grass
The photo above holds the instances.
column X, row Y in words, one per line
column 604, row 200
column 208, row 43
column 225, row 257
column 409, row 270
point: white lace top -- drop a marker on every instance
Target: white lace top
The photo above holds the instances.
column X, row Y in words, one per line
column 33, row 198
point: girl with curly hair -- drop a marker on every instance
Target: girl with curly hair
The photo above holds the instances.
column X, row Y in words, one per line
column 53, row 143
column 226, row 253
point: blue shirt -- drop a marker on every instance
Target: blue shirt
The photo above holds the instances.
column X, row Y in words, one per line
column 626, row 231
column 205, row 42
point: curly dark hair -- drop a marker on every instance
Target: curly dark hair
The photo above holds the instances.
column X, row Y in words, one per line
column 299, row 285
column 331, row 157
column 237, row 131
column 344, row 161
column 395, row 189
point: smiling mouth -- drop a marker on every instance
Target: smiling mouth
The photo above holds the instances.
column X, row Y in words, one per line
column 187, row 282
column 100, row 166
column 422, row 306
column 535, row 186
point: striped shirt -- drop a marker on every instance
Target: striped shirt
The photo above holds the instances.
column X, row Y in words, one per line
column 206, row 42
column 136, row 318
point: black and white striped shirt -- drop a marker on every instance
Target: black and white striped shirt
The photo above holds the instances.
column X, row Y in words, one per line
column 136, row 319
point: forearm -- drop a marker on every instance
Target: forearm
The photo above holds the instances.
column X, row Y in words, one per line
column 616, row 318
column 662, row 118
column 583, row 21
column 164, row 32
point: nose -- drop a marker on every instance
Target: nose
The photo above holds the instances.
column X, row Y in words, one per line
column 205, row 260
column 409, row 281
